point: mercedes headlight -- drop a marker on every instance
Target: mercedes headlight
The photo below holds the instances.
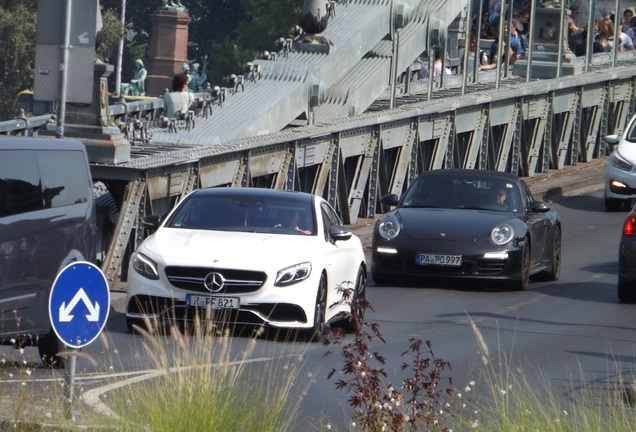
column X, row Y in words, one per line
column 389, row 228
column 145, row 266
column 502, row 234
column 293, row 274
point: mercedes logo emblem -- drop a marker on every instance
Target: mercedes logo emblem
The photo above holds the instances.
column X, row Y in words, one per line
column 214, row 282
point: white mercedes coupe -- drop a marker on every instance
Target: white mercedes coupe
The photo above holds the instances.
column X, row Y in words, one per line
column 248, row 256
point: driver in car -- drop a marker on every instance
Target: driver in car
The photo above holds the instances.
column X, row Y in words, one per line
column 501, row 197
column 292, row 219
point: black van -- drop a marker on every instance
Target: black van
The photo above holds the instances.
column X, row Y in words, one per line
column 47, row 220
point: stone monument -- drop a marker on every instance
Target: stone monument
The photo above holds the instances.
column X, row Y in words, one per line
column 545, row 48
column 168, row 46
column 91, row 124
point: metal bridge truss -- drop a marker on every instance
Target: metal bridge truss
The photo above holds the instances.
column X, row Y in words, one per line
column 522, row 128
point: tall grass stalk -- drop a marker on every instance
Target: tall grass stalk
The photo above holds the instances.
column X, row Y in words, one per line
column 28, row 402
column 203, row 388
column 502, row 398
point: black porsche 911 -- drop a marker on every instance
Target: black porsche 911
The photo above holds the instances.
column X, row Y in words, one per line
column 467, row 224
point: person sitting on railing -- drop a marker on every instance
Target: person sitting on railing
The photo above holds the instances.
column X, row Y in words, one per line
column 177, row 103
column 179, row 99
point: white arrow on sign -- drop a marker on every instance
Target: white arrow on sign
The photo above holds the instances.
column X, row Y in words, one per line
column 65, row 312
column 83, row 38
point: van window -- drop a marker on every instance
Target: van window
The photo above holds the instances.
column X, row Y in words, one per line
column 20, row 189
column 62, row 187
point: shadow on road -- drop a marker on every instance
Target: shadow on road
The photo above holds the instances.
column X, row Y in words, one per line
column 586, row 202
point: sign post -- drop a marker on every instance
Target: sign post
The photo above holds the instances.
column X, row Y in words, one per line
column 79, row 304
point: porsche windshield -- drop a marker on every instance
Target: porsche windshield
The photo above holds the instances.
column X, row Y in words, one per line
column 480, row 193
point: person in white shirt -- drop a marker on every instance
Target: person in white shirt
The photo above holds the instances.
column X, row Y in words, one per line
column 179, row 99
column 437, row 66
column 627, row 42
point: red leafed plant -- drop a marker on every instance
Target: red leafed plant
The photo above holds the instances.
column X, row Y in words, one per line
column 419, row 403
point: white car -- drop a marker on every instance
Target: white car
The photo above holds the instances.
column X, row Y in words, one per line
column 248, row 256
column 620, row 168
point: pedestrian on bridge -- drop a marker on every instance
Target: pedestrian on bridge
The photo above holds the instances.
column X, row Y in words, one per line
column 179, row 99
column 437, row 66
column 498, row 52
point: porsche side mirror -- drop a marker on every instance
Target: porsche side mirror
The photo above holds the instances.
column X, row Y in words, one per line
column 539, row 207
column 339, row 233
column 390, row 200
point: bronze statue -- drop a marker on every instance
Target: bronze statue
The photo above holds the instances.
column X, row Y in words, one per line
column 174, row 6
column 198, row 76
column 138, row 82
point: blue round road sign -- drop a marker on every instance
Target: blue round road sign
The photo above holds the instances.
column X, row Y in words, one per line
column 79, row 304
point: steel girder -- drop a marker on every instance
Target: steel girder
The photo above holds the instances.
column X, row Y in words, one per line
column 353, row 163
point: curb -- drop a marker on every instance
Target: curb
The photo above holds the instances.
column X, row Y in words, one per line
column 577, row 179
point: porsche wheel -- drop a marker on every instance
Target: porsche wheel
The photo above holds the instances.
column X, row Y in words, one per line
column 554, row 271
column 523, row 281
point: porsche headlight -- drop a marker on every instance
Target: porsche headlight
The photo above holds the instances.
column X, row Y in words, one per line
column 389, row 228
column 502, row 234
column 145, row 267
column 293, row 274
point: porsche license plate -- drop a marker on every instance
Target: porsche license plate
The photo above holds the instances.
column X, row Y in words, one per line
column 439, row 260
column 213, row 302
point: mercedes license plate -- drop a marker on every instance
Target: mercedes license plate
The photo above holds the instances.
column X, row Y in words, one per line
column 212, row 302
column 439, row 260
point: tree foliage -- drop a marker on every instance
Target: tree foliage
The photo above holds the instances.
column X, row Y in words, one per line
column 229, row 32
column 107, row 40
column 17, row 52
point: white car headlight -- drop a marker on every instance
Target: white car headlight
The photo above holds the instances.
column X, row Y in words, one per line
column 145, row 267
column 389, row 228
column 620, row 163
column 502, row 234
column 293, row 274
